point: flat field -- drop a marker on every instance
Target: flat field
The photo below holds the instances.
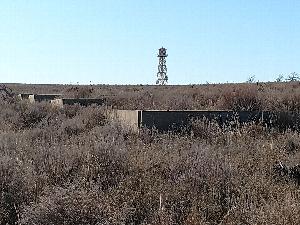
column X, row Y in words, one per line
column 278, row 96
column 74, row 166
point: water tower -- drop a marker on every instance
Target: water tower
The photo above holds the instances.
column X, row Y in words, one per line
column 162, row 77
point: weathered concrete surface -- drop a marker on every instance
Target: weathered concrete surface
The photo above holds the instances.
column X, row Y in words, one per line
column 45, row 97
column 130, row 119
column 60, row 102
column 84, row 101
column 174, row 120
column 164, row 120
column 24, row 96
column 31, row 99
column 37, row 97
column 57, row 103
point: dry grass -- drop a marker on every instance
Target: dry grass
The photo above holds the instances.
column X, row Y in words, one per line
column 73, row 166
column 279, row 96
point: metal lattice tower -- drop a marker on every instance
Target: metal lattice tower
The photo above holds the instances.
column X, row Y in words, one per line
column 162, row 77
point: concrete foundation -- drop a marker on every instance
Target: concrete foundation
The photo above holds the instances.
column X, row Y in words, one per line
column 45, row 97
column 177, row 120
column 130, row 119
column 60, row 102
column 37, row 97
column 24, row 96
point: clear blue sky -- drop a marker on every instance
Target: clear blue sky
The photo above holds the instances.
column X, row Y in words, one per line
column 116, row 41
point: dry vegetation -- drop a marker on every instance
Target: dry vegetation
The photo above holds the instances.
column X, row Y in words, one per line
column 279, row 96
column 73, row 166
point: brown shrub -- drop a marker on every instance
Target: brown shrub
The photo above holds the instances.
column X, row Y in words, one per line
column 80, row 92
column 72, row 166
column 73, row 205
column 267, row 96
column 242, row 99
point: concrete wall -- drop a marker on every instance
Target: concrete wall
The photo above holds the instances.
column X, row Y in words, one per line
column 128, row 118
column 38, row 97
column 84, row 101
column 45, row 97
column 31, row 98
column 24, row 96
column 60, row 102
column 177, row 120
column 174, row 120
column 285, row 120
column 57, row 103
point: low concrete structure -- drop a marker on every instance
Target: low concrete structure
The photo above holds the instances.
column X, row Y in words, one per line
column 44, row 97
column 38, row 97
column 60, row 102
column 130, row 119
column 24, row 96
column 176, row 120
